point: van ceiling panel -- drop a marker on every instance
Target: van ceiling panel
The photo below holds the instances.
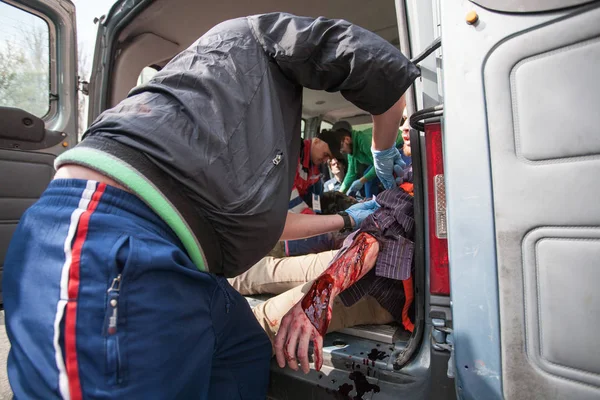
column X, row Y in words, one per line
column 332, row 106
column 184, row 21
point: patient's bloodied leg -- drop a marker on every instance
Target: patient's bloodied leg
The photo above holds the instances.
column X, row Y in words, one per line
column 308, row 319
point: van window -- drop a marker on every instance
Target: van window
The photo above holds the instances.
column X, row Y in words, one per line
column 24, row 61
column 146, row 74
column 325, row 125
column 302, row 127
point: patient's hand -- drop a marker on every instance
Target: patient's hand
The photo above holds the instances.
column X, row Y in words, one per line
column 296, row 330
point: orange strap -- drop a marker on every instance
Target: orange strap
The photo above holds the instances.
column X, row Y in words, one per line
column 408, row 187
column 408, row 299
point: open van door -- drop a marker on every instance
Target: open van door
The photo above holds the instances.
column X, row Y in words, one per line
column 38, row 101
column 522, row 161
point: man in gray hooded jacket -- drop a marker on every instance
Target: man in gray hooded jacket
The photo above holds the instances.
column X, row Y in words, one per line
column 114, row 282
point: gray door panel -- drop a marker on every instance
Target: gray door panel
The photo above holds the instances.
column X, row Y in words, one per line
column 561, row 270
column 542, row 93
column 24, row 174
column 24, row 178
column 522, row 154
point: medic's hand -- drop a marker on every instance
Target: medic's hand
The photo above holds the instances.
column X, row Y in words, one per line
column 356, row 186
column 297, row 330
column 384, row 162
column 360, row 211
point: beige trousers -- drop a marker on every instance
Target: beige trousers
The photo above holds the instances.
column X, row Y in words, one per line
column 290, row 278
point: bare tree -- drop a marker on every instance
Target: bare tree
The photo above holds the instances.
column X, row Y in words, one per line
column 24, row 71
column 83, row 72
column 36, row 40
column 11, row 60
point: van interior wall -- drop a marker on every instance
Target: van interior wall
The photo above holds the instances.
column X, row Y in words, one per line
column 141, row 51
column 167, row 27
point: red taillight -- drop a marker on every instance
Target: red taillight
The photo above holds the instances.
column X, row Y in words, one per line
column 438, row 244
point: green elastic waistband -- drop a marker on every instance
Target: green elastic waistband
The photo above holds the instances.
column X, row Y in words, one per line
column 129, row 177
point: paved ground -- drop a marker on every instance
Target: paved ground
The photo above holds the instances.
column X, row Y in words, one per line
column 5, row 392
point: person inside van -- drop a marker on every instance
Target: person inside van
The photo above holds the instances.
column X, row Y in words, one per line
column 338, row 170
column 307, row 182
column 357, row 147
column 115, row 279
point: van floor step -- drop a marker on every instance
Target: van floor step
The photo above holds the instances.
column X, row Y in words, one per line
column 387, row 334
column 355, row 353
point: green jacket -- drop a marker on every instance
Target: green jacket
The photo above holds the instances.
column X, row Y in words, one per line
column 361, row 153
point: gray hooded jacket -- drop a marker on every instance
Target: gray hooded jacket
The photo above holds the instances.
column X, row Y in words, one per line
column 214, row 137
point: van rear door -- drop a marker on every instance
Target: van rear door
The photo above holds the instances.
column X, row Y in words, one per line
column 522, row 160
column 38, row 98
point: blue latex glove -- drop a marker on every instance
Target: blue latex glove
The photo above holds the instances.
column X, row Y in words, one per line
column 398, row 173
column 384, row 162
column 360, row 211
column 356, row 186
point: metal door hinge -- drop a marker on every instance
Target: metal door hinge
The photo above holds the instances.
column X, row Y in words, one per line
column 83, row 86
column 443, row 340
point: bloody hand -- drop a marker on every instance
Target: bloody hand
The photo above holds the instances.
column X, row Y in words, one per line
column 297, row 330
